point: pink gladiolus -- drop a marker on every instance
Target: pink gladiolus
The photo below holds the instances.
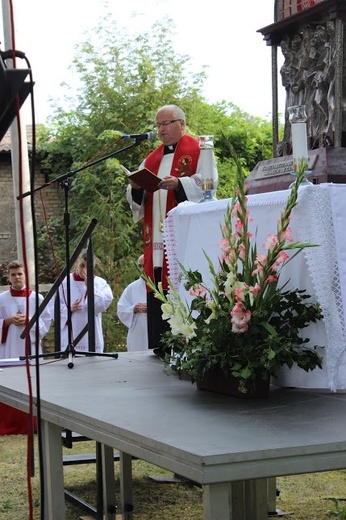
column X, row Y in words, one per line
column 286, row 235
column 224, row 244
column 272, row 278
column 282, row 257
column 231, row 255
column 197, row 290
column 236, row 209
column 238, row 308
column 261, row 259
column 239, row 226
column 239, row 294
column 240, row 318
column 270, row 242
column 238, row 329
column 258, row 271
column 242, row 251
column 256, row 289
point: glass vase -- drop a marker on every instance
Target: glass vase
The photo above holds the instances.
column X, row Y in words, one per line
column 208, row 168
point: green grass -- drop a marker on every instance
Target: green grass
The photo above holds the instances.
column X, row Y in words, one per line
column 302, row 497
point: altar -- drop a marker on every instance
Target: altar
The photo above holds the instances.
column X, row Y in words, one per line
column 191, row 230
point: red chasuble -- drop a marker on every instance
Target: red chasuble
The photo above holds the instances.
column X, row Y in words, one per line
column 184, row 165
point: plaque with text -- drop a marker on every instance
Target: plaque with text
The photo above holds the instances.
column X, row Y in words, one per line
column 279, row 166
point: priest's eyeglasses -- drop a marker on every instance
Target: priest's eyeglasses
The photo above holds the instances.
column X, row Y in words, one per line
column 165, row 123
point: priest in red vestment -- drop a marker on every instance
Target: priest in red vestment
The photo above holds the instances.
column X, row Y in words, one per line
column 177, row 162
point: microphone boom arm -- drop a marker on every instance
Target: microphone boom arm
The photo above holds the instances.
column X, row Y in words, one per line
column 65, row 176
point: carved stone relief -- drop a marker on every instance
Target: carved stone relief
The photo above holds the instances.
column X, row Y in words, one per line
column 308, row 75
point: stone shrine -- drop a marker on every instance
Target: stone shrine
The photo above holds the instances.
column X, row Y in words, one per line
column 311, row 37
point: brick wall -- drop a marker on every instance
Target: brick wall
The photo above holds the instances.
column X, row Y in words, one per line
column 52, row 204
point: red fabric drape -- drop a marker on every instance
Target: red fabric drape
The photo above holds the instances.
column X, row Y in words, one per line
column 13, row 421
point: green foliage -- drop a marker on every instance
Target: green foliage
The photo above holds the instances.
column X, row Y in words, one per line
column 339, row 510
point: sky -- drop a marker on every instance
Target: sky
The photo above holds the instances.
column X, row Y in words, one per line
column 221, row 35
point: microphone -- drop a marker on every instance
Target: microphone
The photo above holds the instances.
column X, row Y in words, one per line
column 151, row 136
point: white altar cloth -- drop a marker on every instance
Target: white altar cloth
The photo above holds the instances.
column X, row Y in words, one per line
column 319, row 218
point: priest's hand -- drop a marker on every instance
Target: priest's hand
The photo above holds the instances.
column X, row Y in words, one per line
column 169, row 183
column 134, row 185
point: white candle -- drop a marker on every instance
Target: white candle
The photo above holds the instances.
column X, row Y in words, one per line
column 299, row 145
column 297, row 117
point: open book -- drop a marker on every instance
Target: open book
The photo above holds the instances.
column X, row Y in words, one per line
column 144, row 178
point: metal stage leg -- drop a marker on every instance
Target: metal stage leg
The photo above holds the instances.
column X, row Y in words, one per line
column 53, row 469
column 108, row 482
column 126, row 486
column 241, row 500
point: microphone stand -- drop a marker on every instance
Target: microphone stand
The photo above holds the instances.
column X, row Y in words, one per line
column 63, row 181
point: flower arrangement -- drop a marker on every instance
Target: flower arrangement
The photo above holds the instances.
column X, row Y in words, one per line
column 245, row 323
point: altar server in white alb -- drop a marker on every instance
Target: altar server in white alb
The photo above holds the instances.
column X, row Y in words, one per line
column 103, row 297
column 14, row 313
column 132, row 312
column 17, row 307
